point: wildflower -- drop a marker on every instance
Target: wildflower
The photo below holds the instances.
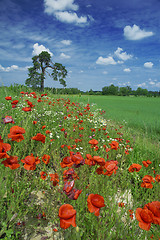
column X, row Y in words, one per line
column 11, row 162
column 70, row 174
column 43, row 175
column 44, row 126
column 46, row 158
column 147, row 179
column 8, row 98
column 54, row 178
column 121, row 204
column 135, row 167
column 30, row 162
column 114, row 145
column 146, row 163
column 4, row 148
column 110, row 167
column 67, row 162
column 39, row 137
column 157, row 178
column 34, row 122
column 67, row 216
column 16, row 133
column 95, row 202
column 26, row 109
column 8, row 119
column 93, row 142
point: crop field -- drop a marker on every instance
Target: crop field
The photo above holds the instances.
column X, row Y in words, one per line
column 142, row 114
column 71, row 167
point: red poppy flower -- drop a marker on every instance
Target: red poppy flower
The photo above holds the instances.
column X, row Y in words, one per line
column 48, row 132
column 44, row 126
column 147, row 179
column 54, row 178
column 30, row 162
column 34, row 122
column 154, row 207
column 70, row 174
column 68, row 186
column 43, row 175
column 67, row 216
column 67, row 162
column 95, row 202
column 121, row 204
column 146, row 163
column 8, row 119
column 4, row 148
column 11, row 162
column 145, row 218
column 77, row 158
column 114, row 145
column 93, row 142
column 135, row 167
column 26, row 109
column 100, row 161
column 16, row 133
column 30, row 104
column 14, row 102
column 39, row 137
column 89, row 160
column 8, row 98
column 110, row 167
column 157, row 178
column 46, row 158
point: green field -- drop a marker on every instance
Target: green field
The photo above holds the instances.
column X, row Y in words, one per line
column 142, row 114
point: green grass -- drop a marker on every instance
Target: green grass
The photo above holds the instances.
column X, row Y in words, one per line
column 24, row 195
column 141, row 113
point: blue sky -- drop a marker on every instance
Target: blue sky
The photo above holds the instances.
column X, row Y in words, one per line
column 99, row 42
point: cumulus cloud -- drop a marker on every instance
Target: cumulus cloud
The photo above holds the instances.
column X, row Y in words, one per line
column 106, row 61
column 64, row 11
column 12, row 68
column 105, row 72
column 148, row 65
column 59, row 5
column 135, row 33
column 142, row 84
column 66, row 42
column 127, row 70
column 37, row 49
column 122, row 55
column 64, row 56
column 70, row 17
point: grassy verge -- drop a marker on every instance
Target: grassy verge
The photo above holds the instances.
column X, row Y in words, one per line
column 32, row 195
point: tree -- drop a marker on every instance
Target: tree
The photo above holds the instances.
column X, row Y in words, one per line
column 37, row 73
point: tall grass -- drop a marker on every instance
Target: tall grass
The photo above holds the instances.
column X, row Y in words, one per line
column 29, row 205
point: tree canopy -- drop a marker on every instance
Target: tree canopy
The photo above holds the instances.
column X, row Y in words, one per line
column 37, row 73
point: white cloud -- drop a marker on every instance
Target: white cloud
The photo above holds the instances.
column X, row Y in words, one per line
column 158, row 84
column 70, row 17
column 106, row 61
column 148, row 65
column 12, row 68
column 122, row 55
column 142, row 84
column 64, row 11
column 135, row 33
column 66, row 42
column 59, row 5
column 152, row 83
column 105, row 72
column 8, row 69
column 127, row 70
column 64, row 56
column 37, row 49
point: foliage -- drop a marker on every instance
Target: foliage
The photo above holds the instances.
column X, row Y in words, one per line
column 37, row 73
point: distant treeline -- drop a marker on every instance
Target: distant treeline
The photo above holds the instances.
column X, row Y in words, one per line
column 107, row 90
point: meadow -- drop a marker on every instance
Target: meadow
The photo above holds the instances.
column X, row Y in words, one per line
column 78, row 167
